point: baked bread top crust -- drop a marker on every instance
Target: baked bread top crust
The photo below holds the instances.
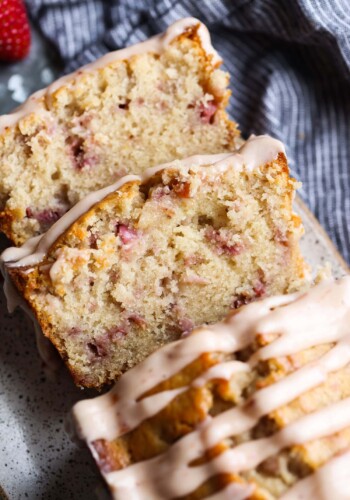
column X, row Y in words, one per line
column 257, row 406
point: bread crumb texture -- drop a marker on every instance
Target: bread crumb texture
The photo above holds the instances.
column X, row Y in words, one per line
column 105, row 123
column 153, row 260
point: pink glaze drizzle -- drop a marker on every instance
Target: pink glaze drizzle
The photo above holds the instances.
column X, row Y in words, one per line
column 301, row 320
column 332, row 481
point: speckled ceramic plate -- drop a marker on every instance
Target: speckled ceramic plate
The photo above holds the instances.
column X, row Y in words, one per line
column 37, row 460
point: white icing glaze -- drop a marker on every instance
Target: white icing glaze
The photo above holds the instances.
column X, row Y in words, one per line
column 257, row 151
column 332, row 481
column 13, row 297
column 45, row 348
column 299, row 321
column 223, row 371
column 156, row 44
column 169, row 475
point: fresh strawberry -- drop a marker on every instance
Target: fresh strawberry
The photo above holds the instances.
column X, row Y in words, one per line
column 127, row 234
column 207, row 111
column 14, row 30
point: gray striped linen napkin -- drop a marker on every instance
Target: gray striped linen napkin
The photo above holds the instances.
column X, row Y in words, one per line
column 289, row 62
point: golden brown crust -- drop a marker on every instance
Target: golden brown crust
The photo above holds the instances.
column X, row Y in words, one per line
column 6, row 220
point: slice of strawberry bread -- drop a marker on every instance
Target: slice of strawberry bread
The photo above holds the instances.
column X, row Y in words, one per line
column 161, row 254
column 148, row 104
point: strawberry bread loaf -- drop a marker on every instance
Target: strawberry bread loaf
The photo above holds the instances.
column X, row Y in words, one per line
column 135, row 265
column 256, row 407
column 151, row 103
